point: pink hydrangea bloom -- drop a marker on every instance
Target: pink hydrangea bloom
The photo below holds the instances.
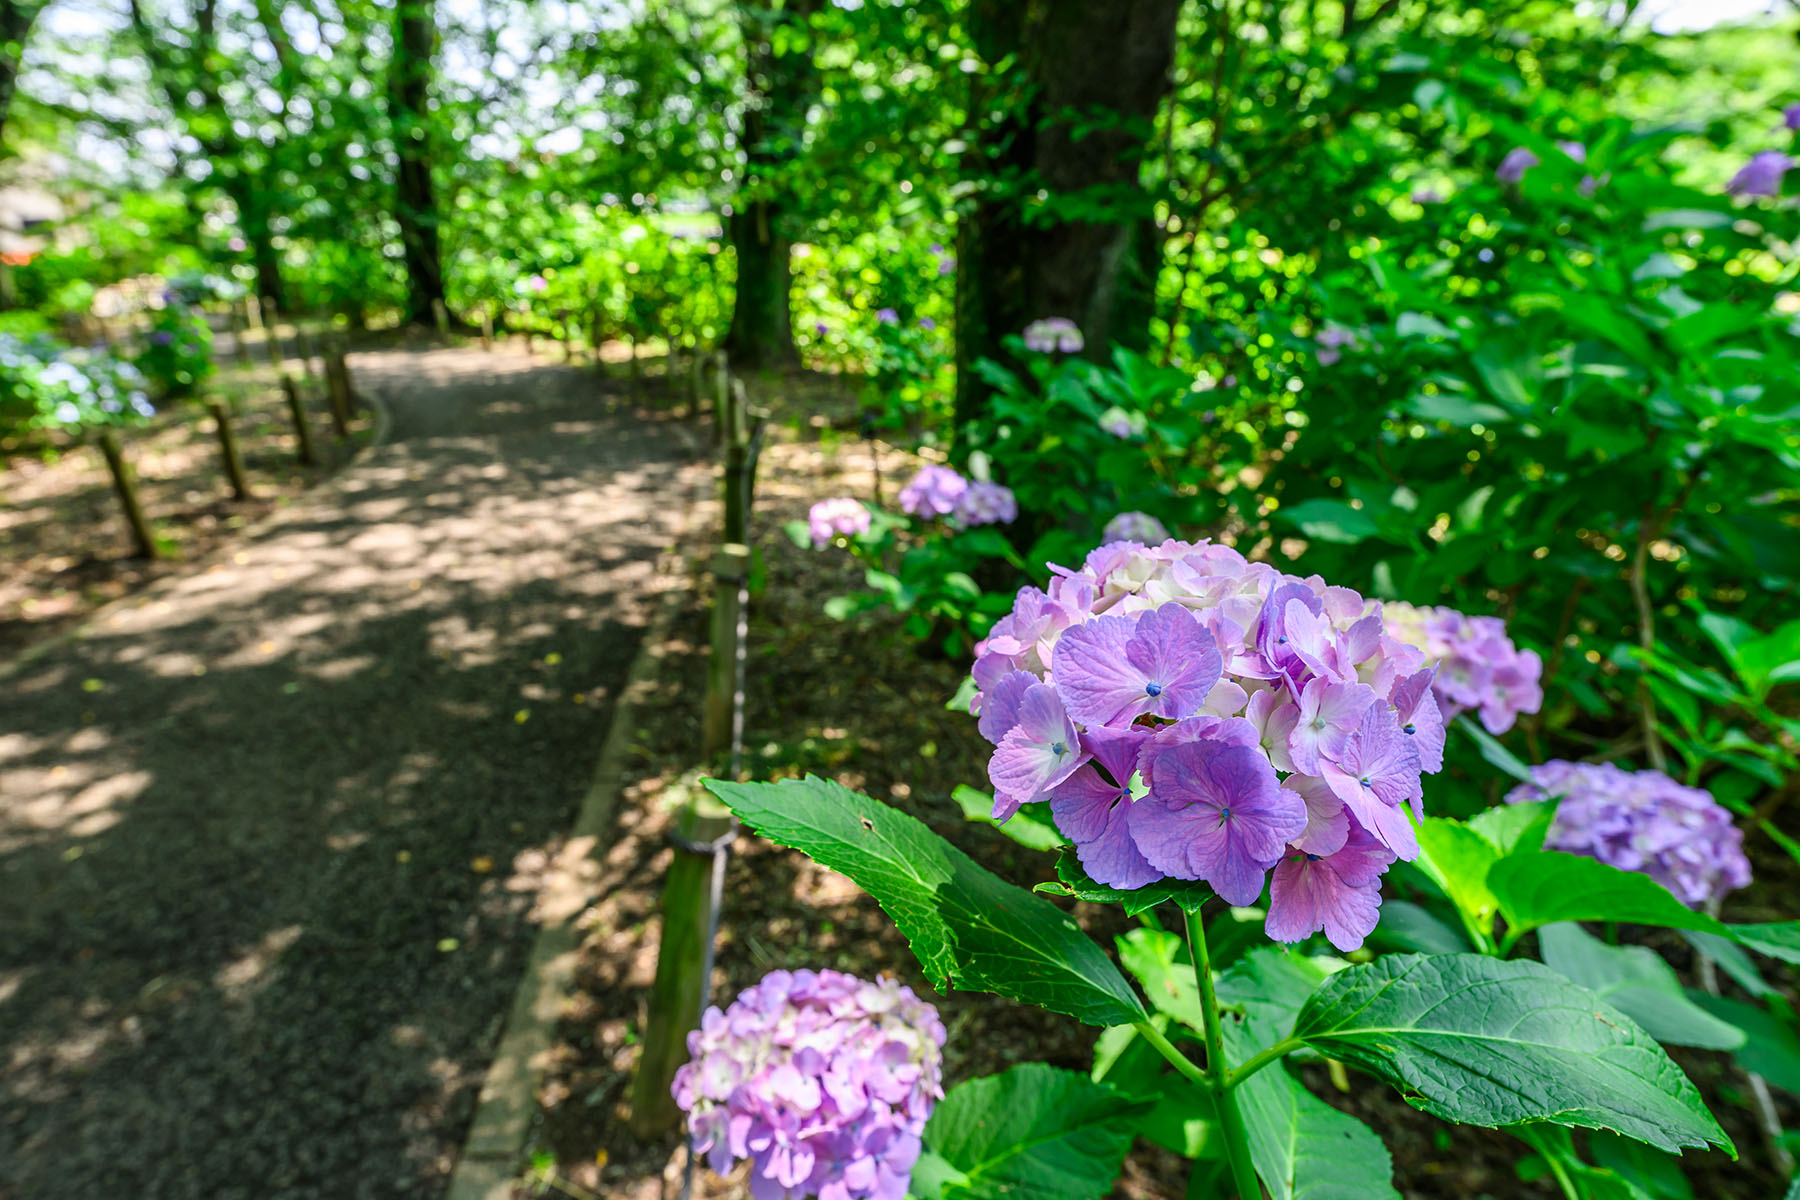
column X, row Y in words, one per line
column 823, row 1081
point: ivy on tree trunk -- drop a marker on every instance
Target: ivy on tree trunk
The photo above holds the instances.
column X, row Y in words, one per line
column 782, row 85
column 1059, row 225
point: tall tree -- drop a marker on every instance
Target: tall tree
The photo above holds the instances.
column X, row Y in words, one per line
column 782, row 83
column 415, row 208
column 16, row 17
column 1060, row 123
column 185, row 64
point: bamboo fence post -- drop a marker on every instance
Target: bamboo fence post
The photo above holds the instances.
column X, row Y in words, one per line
column 297, row 410
column 126, row 487
column 228, row 450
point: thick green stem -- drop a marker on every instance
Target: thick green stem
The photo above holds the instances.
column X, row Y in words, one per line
column 1170, row 1051
column 1231, row 1120
column 1261, row 1059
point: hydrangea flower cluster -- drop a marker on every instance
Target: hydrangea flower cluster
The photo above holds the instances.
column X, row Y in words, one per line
column 1135, row 527
column 823, row 1081
column 1189, row 714
column 839, row 516
column 1478, row 666
column 1642, row 821
column 938, row 491
column 1053, row 334
column 986, row 503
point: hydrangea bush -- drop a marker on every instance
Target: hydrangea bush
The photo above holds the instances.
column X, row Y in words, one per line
column 821, row 1080
column 1479, row 668
column 1642, row 821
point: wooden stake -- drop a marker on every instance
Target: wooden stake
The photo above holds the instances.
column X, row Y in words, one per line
column 302, row 429
column 487, row 327
column 441, row 315
column 337, row 382
column 126, row 487
column 681, row 964
column 228, row 449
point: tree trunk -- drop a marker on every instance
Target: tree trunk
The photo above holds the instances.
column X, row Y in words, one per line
column 126, row 488
column 415, row 207
column 16, row 17
column 781, row 88
column 762, row 327
column 1074, row 119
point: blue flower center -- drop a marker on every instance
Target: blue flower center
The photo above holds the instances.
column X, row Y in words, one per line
column 1365, row 782
column 1312, row 858
column 1281, row 639
column 1409, row 727
column 1059, row 749
column 1225, row 813
column 1153, row 689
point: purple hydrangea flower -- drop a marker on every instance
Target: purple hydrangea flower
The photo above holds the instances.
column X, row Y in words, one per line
column 927, row 324
column 538, row 283
column 821, row 1080
column 821, row 329
column 1642, row 821
column 1512, row 168
column 838, row 517
column 946, row 265
column 1042, row 749
column 1230, row 721
column 936, row 491
column 1478, row 666
column 1135, row 527
column 985, row 503
column 1337, row 893
column 1790, row 116
column 1053, row 335
column 1574, row 150
column 887, row 316
column 1761, row 176
column 1093, row 808
column 1427, row 195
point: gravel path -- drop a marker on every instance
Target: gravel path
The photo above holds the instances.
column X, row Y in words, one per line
column 268, row 835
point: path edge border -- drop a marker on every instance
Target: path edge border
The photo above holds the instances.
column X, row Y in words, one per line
column 487, row 1164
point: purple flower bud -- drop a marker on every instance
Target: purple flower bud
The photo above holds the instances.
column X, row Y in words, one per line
column 1761, row 176
column 927, row 324
column 887, row 316
column 1642, row 821
column 1790, row 116
column 822, row 1081
column 1512, row 168
column 821, row 329
column 1574, row 150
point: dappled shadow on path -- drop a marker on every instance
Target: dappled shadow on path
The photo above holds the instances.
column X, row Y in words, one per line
column 269, row 835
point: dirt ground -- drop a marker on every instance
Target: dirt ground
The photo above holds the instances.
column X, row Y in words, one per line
column 854, row 702
column 271, row 828
column 64, row 547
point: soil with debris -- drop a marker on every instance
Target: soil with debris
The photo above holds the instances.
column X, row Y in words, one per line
column 856, row 702
column 269, row 832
